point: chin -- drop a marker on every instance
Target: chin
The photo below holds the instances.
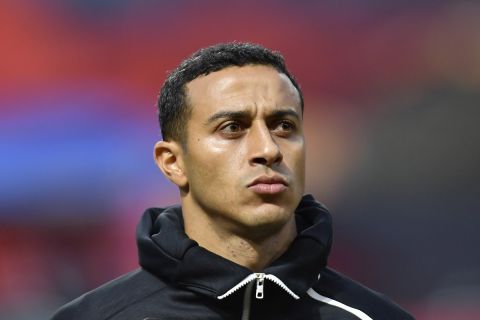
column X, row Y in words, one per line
column 268, row 218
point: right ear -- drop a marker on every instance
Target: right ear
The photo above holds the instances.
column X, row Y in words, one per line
column 169, row 158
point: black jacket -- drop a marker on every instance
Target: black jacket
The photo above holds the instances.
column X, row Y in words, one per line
column 180, row 280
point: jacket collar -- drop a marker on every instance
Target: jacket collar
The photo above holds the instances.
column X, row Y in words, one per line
column 166, row 251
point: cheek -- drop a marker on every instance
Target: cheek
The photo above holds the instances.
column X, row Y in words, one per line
column 223, row 152
column 295, row 161
column 295, row 155
column 212, row 162
column 300, row 168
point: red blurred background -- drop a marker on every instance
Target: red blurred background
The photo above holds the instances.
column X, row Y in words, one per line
column 392, row 93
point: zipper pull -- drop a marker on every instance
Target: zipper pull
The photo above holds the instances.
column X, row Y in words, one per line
column 259, row 291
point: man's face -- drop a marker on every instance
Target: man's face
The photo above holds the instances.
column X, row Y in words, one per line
column 245, row 154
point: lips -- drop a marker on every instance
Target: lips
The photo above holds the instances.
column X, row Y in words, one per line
column 268, row 185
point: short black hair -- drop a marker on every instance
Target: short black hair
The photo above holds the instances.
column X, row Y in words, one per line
column 173, row 110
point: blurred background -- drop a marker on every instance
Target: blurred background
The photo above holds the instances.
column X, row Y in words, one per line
column 392, row 92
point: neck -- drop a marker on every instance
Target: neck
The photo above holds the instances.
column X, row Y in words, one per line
column 253, row 253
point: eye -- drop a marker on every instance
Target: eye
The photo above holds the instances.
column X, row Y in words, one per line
column 232, row 129
column 284, row 127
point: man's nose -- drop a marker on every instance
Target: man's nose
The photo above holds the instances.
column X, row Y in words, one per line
column 264, row 150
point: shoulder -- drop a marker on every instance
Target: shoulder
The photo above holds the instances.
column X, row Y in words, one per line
column 340, row 291
column 112, row 297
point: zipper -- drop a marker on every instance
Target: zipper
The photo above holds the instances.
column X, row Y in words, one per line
column 282, row 285
column 239, row 285
column 257, row 279
column 247, row 297
column 247, row 301
column 259, row 290
column 260, row 280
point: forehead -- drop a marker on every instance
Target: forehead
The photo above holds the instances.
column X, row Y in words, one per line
column 255, row 87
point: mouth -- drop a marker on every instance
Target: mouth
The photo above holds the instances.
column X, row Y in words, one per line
column 268, row 185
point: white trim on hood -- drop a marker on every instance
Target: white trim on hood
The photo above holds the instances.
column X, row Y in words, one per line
column 360, row 314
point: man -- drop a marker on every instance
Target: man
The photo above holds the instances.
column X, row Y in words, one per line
column 245, row 243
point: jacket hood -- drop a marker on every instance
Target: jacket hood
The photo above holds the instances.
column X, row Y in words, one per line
column 167, row 252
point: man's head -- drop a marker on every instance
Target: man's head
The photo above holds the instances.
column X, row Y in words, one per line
column 174, row 108
column 243, row 169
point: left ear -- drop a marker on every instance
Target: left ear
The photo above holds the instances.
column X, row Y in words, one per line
column 169, row 158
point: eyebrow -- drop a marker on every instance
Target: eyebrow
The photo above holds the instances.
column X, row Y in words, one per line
column 227, row 115
column 282, row 113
